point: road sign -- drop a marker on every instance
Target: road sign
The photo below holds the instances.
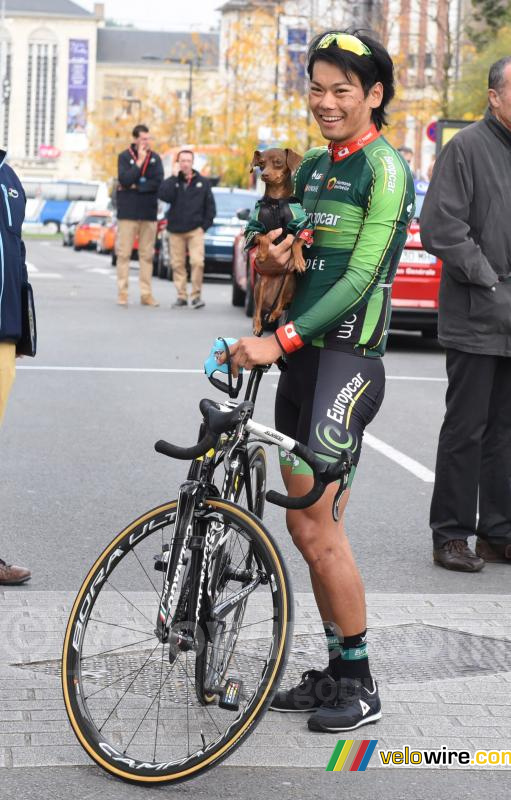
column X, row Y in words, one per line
column 431, row 131
column 48, row 151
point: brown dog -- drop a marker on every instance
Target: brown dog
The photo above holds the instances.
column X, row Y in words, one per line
column 274, row 291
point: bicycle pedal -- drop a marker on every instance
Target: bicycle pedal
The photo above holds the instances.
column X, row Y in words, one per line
column 230, row 695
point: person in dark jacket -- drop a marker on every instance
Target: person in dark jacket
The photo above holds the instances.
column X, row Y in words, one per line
column 465, row 221
column 192, row 211
column 13, row 273
column 140, row 173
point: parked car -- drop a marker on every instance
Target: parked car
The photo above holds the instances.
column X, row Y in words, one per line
column 219, row 239
column 68, row 233
column 417, row 282
column 243, row 275
column 105, row 242
column 87, row 231
column 161, row 266
column 415, row 289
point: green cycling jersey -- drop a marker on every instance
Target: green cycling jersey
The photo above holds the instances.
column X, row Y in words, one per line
column 359, row 207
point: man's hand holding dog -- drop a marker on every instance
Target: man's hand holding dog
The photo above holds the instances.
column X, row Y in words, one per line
column 279, row 256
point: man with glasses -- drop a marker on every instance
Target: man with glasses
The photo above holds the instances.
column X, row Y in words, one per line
column 359, row 194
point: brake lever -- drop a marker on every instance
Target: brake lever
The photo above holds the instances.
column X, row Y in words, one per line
column 343, row 481
column 343, row 485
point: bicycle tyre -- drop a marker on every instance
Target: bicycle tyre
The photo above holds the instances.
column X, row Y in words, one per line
column 108, row 748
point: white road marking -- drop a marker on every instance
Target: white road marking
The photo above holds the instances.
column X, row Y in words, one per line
column 35, row 272
column 410, row 464
column 191, row 371
column 100, row 270
column 414, row 378
column 112, row 369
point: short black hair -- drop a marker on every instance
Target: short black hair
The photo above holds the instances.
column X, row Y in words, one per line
column 138, row 129
column 496, row 78
column 185, row 151
column 378, row 67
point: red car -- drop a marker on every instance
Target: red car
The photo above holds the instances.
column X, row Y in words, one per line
column 161, row 265
column 415, row 289
column 417, row 282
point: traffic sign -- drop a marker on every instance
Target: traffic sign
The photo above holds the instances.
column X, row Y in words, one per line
column 48, row 151
column 431, row 131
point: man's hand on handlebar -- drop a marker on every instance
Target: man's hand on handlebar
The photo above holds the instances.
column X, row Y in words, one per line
column 252, row 350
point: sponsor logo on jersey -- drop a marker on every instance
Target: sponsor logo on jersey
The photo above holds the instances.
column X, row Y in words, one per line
column 323, row 218
column 315, row 264
column 317, row 175
column 366, row 138
column 336, row 183
column 390, row 172
column 312, row 187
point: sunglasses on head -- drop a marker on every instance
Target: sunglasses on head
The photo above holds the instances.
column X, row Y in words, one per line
column 344, row 41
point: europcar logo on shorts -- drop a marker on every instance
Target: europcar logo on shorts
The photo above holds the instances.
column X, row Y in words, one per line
column 351, row 755
column 330, row 437
column 331, row 183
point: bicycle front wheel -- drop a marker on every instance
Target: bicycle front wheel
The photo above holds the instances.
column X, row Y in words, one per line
column 134, row 709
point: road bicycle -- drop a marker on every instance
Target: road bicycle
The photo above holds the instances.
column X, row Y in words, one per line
column 179, row 634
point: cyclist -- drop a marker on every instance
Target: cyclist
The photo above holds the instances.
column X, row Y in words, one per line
column 359, row 194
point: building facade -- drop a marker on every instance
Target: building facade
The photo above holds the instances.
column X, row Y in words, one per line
column 58, row 63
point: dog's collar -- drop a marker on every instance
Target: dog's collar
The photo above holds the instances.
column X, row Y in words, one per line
column 339, row 151
column 275, row 201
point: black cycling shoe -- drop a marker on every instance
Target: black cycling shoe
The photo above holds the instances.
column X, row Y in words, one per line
column 314, row 689
column 356, row 703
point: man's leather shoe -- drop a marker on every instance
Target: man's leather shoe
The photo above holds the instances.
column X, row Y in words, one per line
column 10, row 575
column 457, row 555
column 148, row 300
column 497, row 551
column 122, row 300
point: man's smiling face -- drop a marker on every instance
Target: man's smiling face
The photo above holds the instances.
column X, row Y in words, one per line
column 338, row 103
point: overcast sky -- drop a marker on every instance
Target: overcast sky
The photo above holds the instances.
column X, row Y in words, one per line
column 161, row 14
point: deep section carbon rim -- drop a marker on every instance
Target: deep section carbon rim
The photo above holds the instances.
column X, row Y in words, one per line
column 135, row 710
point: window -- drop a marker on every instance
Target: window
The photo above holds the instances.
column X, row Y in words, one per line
column 5, row 85
column 41, row 91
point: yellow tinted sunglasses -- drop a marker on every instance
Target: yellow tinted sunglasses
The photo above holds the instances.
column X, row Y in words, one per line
column 345, row 41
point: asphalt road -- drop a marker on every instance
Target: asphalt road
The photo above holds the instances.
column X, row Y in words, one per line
column 77, row 445
column 77, row 464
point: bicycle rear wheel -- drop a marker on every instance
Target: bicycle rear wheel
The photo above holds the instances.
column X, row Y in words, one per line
column 214, row 658
column 135, row 713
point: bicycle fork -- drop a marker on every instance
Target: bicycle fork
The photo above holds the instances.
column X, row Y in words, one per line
column 183, row 540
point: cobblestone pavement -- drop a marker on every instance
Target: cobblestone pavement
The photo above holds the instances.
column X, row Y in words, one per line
column 443, row 663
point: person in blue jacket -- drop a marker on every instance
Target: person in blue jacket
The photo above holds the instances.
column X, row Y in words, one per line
column 13, row 273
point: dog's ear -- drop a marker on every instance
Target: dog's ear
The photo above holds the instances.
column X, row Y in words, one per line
column 255, row 160
column 292, row 159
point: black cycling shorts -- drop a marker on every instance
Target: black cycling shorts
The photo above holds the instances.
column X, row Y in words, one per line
column 325, row 399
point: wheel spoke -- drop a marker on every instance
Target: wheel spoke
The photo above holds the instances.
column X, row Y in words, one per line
column 129, row 687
